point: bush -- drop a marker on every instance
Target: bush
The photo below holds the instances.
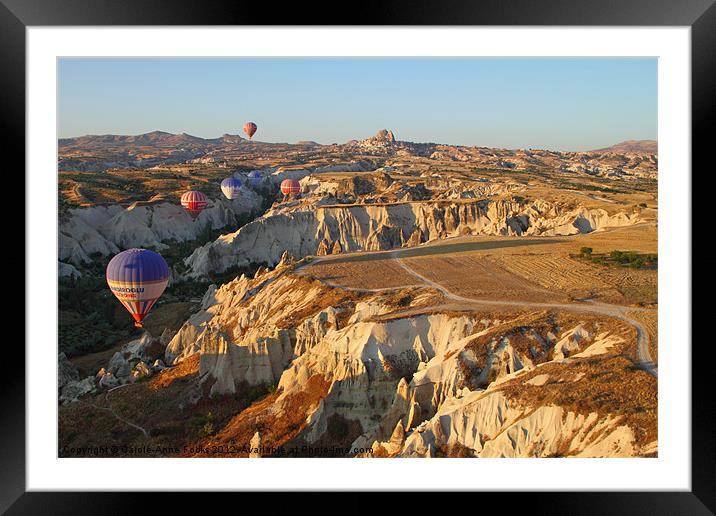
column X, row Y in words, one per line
column 637, row 263
column 586, row 251
column 206, row 430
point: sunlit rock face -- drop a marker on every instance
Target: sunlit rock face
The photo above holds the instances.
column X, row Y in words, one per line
column 373, row 227
column 109, row 229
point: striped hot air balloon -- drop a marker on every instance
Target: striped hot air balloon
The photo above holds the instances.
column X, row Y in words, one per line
column 255, row 178
column 290, row 186
column 250, row 129
column 231, row 187
column 194, row 202
column 137, row 277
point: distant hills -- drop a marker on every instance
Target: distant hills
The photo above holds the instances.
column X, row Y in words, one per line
column 633, row 146
column 164, row 139
column 153, row 139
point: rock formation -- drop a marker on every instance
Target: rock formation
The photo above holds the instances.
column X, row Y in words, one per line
column 379, row 227
column 105, row 230
column 415, row 386
column 66, row 372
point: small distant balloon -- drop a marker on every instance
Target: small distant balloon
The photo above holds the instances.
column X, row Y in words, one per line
column 255, row 178
column 290, row 186
column 194, row 202
column 137, row 277
column 250, row 129
column 231, row 187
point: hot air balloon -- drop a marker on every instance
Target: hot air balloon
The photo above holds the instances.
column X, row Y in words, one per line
column 250, row 129
column 137, row 277
column 194, row 202
column 231, row 187
column 290, row 186
column 255, row 178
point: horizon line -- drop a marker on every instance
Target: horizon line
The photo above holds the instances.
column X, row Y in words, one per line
column 184, row 133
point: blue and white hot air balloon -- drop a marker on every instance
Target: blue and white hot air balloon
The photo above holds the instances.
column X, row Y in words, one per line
column 137, row 277
column 255, row 178
column 231, row 187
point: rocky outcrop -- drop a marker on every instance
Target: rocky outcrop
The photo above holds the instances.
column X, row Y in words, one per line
column 489, row 425
column 106, row 230
column 66, row 372
column 137, row 359
column 107, row 380
column 73, row 390
column 65, row 270
column 379, row 227
column 255, row 445
column 324, row 248
column 241, row 332
column 623, row 163
column 384, row 136
column 418, row 385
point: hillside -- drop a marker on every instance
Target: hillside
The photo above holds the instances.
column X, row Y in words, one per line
column 412, row 300
column 633, row 147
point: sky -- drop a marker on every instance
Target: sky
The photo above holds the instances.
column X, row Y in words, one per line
column 545, row 103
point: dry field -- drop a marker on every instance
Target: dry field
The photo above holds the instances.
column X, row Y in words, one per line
column 509, row 268
column 553, row 268
column 560, row 273
column 641, row 238
column 377, row 273
column 472, row 275
column 550, row 266
column 583, row 280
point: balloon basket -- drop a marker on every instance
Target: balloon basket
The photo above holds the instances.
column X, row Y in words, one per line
column 138, row 325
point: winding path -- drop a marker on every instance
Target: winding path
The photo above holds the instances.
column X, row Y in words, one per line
column 644, row 359
column 111, row 410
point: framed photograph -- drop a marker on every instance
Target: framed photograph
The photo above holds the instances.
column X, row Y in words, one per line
column 266, row 254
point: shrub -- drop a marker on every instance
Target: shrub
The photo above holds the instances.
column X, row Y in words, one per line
column 207, row 429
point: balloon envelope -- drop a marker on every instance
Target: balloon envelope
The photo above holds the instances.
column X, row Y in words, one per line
column 250, row 129
column 255, row 178
column 231, row 187
column 137, row 277
column 290, row 186
column 194, row 202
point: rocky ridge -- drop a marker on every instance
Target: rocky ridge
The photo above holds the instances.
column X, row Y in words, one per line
column 106, row 230
column 417, row 385
column 373, row 227
column 625, row 160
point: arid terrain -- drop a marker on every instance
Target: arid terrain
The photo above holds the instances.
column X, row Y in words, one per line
column 413, row 300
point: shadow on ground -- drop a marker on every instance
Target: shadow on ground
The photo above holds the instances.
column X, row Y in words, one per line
column 438, row 249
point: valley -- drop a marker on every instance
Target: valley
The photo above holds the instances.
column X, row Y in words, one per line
column 412, row 300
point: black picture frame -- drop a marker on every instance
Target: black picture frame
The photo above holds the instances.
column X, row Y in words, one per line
column 700, row 15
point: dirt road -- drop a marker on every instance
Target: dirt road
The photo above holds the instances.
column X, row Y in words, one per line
column 643, row 356
column 111, row 410
column 619, row 312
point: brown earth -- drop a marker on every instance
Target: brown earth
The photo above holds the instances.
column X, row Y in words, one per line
column 169, row 315
column 164, row 406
